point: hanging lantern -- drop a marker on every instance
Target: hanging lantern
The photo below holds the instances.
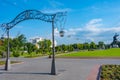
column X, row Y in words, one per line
column 61, row 33
column 2, row 37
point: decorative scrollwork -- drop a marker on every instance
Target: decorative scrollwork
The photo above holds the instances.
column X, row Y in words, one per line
column 34, row 14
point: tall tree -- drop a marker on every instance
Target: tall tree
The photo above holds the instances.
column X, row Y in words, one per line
column 64, row 47
column 30, row 47
column 70, row 48
column 86, row 45
column 92, row 45
column 101, row 44
column 45, row 46
column 80, row 46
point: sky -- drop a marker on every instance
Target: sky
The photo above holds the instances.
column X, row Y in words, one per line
column 86, row 20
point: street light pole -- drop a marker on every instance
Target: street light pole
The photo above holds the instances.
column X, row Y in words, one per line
column 7, row 64
column 53, row 69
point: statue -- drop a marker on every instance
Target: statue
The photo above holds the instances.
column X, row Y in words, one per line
column 115, row 42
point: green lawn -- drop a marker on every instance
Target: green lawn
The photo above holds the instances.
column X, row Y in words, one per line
column 12, row 62
column 113, row 52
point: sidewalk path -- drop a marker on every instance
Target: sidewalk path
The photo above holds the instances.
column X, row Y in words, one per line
column 39, row 69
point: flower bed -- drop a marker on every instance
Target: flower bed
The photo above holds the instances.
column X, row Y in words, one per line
column 110, row 72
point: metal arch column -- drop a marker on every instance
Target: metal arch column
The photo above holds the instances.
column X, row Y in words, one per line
column 7, row 64
column 53, row 69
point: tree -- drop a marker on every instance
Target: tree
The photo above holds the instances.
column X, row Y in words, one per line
column 45, row 46
column 64, row 47
column 101, row 45
column 30, row 47
column 70, row 48
column 58, row 49
column 80, row 46
column 92, row 45
column 86, row 45
column 2, row 51
column 17, row 45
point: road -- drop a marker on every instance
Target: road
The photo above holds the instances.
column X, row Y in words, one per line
column 39, row 69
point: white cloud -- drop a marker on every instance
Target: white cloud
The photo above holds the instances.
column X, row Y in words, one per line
column 113, row 29
column 93, row 26
column 94, row 21
column 56, row 31
column 93, row 30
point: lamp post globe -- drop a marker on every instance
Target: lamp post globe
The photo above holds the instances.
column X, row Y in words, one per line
column 61, row 33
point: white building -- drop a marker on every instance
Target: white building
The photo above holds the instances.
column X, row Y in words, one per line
column 37, row 39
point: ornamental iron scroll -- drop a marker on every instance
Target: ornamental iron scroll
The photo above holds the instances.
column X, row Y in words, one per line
column 34, row 14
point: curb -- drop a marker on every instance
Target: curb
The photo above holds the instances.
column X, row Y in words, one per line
column 94, row 73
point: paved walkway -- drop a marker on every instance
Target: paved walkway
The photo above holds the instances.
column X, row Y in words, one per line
column 39, row 69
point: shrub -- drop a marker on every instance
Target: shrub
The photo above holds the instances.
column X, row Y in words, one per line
column 16, row 54
column 110, row 72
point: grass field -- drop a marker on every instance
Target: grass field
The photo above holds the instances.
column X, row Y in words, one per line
column 12, row 62
column 109, row 53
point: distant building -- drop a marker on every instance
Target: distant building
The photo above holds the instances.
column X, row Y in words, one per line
column 37, row 39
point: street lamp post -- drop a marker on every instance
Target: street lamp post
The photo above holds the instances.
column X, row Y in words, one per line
column 7, row 64
column 53, row 69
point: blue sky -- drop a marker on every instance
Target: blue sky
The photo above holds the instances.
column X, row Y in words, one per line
column 87, row 20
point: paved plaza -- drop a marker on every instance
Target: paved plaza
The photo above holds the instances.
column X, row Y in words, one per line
column 39, row 69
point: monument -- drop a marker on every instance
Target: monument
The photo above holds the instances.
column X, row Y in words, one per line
column 115, row 43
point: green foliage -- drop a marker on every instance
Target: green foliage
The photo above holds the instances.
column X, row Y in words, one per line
column 15, row 51
column 30, row 47
column 86, row 45
column 58, row 49
column 20, row 47
column 2, row 50
column 15, row 54
column 64, row 48
column 19, row 41
column 32, row 55
column 80, row 46
column 110, row 72
column 70, row 48
column 44, row 46
column 92, row 45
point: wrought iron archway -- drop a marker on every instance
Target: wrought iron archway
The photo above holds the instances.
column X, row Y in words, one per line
column 33, row 14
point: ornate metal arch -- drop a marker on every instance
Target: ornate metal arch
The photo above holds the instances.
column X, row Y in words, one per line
column 34, row 14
